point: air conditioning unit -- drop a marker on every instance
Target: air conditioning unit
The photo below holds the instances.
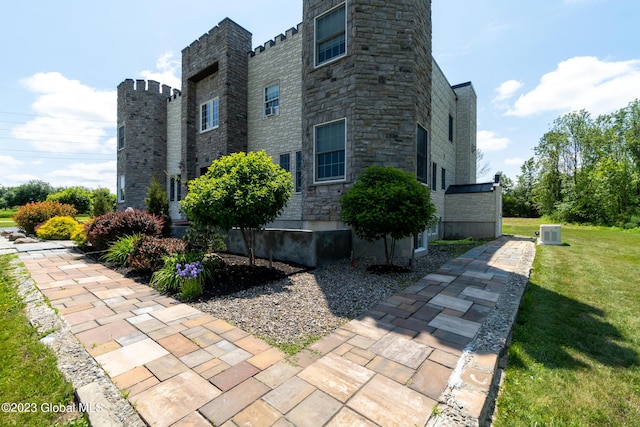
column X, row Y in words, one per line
column 271, row 111
column 550, row 234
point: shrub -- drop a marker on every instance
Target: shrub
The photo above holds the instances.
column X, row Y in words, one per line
column 107, row 228
column 79, row 235
column 57, row 228
column 148, row 252
column 102, row 201
column 78, row 197
column 33, row 214
column 205, row 238
column 157, row 203
column 119, row 251
column 387, row 202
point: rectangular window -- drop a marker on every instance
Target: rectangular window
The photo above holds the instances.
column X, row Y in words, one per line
column 272, row 100
column 285, row 162
column 434, row 176
column 331, row 35
column 433, row 230
column 450, row 128
column 298, row 171
column 174, row 189
column 443, row 179
column 121, row 189
column 418, row 241
column 120, row 137
column 421, row 155
column 330, row 151
column 209, row 115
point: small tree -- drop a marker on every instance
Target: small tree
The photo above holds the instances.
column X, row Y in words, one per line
column 102, row 201
column 244, row 190
column 157, row 203
column 387, row 202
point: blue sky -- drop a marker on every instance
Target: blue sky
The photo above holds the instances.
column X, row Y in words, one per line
column 529, row 63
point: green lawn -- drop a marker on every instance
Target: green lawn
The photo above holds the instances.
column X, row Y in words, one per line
column 575, row 356
column 29, row 377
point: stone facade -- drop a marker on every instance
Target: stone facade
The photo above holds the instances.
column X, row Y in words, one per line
column 142, row 113
column 379, row 83
column 278, row 62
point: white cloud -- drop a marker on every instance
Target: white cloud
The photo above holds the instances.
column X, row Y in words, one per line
column 90, row 175
column 490, row 141
column 517, row 161
column 582, row 83
column 168, row 71
column 507, row 89
column 71, row 117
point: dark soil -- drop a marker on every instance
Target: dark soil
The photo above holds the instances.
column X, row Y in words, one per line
column 235, row 275
column 387, row 269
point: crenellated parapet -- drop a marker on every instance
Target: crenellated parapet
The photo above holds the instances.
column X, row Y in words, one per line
column 150, row 86
column 291, row 32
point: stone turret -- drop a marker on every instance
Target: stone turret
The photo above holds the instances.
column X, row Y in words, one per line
column 142, row 139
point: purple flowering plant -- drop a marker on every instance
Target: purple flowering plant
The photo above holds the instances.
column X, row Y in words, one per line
column 189, row 271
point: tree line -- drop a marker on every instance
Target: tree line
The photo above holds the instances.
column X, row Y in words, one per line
column 585, row 170
column 85, row 201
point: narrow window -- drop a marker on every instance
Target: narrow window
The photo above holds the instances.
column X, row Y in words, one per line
column 421, row 155
column 330, row 151
column 450, row 128
column 331, row 35
column 298, row 171
column 121, row 189
column 285, row 162
column 209, row 115
column 272, row 100
column 120, row 137
column 178, row 187
column 434, row 176
column 172, row 189
column 443, row 179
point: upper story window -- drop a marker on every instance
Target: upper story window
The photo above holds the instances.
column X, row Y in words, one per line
column 331, row 35
column 209, row 115
column 120, row 137
column 330, row 142
column 443, row 178
column 272, row 100
column 421, row 155
column 450, row 128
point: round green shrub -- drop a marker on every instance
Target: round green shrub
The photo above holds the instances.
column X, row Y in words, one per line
column 58, row 228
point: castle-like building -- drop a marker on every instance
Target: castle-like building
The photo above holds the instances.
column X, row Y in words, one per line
column 353, row 85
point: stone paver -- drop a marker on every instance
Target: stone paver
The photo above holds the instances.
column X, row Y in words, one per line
column 181, row 367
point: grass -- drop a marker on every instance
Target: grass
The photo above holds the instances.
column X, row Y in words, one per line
column 575, row 356
column 28, row 370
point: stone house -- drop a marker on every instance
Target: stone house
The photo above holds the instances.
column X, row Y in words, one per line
column 353, row 85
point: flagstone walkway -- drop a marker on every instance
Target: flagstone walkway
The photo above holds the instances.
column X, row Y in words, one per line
column 389, row 367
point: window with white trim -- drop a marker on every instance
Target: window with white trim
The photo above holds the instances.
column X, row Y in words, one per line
column 331, row 35
column 272, row 100
column 121, row 189
column 329, row 146
column 419, row 241
column 209, row 115
column 174, row 189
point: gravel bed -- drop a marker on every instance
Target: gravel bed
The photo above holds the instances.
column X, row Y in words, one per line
column 313, row 304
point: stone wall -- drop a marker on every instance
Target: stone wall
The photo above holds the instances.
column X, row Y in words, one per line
column 477, row 215
column 174, row 148
column 381, row 87
column 466, row 132
column 142, row 110
column 278, row 61
column 215, row 66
